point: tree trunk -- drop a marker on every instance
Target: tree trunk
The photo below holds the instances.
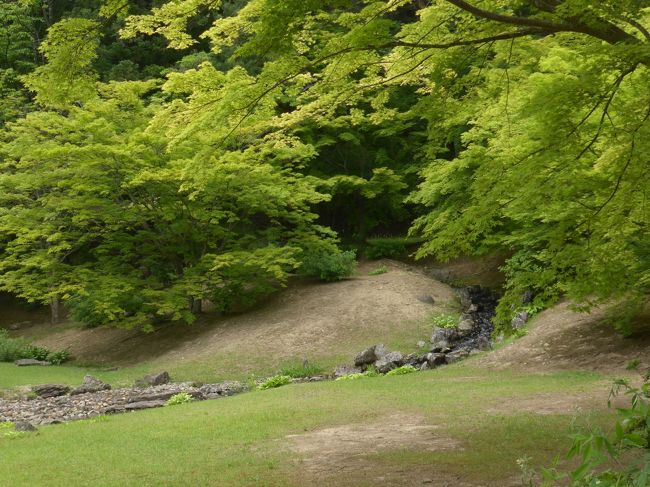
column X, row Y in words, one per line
column 54, row 309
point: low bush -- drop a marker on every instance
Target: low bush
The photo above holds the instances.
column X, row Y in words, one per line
column 275, row 381
column 378, row 271
column 359, row 375
column 379, row 247
column 403, row 370
column 180, row 398
column 298, row 369
column 329, row 267
column 12, row 349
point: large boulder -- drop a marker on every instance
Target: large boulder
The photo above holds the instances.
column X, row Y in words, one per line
column 153, row 380
column 50, row 390
column 370, row 355
column 228, row 388
column 442, row 338
column 435, row 359
column 466, row 324
column 89, row 385
column 388, row 362
column 25, row 362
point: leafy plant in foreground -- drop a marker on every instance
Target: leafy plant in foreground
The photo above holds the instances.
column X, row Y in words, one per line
column 180, row 398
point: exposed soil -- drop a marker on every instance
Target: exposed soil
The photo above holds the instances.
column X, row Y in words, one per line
column 562, row 339
column 306, row 320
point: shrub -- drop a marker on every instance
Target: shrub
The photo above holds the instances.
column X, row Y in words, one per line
column 180, row 398
column 275, row 381
column 57, row 358
column 37, row 353
column 12, row 348
column 298, row 369
column 403, row 370
column 360, row 375
column 329, row 267
column 444, row 320
column 376, row 248
column 378, row 271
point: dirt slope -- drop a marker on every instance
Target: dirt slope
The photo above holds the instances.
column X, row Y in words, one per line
column 562, row 339
column 319, row 321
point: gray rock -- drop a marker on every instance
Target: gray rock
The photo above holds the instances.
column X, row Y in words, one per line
column 426, row 298
column 366, row 357
column 413, row 359
column 89, row 385
column 465, row 324
column 520, row 320
column 228, row 388
column 380, row 351
column 442, row 338
column 25, row 362
column 50, row 390
column 424, row 366
column 421, row 344
column 24, row 426
column 135, row 406
column 435, row 359
column 465, row 297
column 390, row 361
column 343, row 370
column 456, row 355
column 153, row 380
column 483, row 343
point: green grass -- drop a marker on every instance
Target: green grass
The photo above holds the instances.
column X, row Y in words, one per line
column 241, row 441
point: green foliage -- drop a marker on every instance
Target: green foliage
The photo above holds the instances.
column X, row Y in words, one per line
column 378, row 271
column 629, row 448
column 331, row 266
column 12, row 349
column 358, row 375
column 299, row 368
column 379, row 247
column 403, row 370
column 445, row 320
column 180, row 398
column 275, row 381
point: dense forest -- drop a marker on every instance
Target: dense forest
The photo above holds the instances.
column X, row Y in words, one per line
column 154, row 154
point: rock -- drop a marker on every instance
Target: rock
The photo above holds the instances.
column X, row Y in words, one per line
column 380, row 351
column 135, row 406
column 413, row 359
column 90, row 384
column 527, row 296
column 19, row 325
column 424, row 366
column 421, row 344
column 435, row 359
column 24, row 426
column 24, row 362
column 465, row 324
column 228, row 388
column 464, row 296
column 456, row 355
column 366, row 357
column 443, row 338
column 482, row 343
column 520, row 320
column 343, row 370
column 426, row 298
column 50, row 390
column 390, row 361
column 153, row 380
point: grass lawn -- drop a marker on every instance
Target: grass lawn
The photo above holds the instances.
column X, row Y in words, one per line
column 242, row 440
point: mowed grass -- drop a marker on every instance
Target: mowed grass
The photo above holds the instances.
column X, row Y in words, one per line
column 241, row 441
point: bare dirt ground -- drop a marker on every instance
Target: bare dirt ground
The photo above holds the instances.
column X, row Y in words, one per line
column 562, row 339
column 306, row 320
column 343, row 455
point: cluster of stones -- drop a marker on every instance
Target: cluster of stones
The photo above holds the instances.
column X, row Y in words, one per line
column 56, row 403
column 470, row 336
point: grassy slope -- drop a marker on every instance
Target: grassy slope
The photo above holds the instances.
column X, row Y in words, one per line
column 242, row 440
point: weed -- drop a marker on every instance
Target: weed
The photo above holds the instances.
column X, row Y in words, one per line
column 297, row 369
column 275, row 381
column 180, row 398
column 378, row 271
column 444, row 320
column 404, row 369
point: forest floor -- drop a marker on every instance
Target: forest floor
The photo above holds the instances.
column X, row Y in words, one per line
column 461, row 425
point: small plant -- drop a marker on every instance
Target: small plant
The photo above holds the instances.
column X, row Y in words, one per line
column 444, row 320
column 329, row 267
column 180, row 398
column 378, row 271
column 633, row 364
column 359, row 375
column 38, row 353
column 403, row 370
column 275, row 381
column 57, row 358
column 298, row 369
